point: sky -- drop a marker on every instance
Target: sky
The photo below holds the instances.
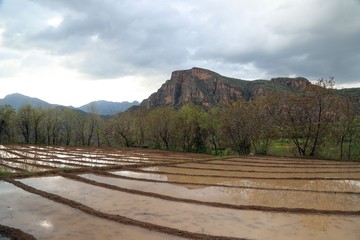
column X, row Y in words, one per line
column 78, row 51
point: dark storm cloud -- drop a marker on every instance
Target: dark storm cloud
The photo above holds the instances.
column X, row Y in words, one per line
column 111, row 38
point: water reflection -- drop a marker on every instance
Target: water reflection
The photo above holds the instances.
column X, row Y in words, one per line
column 215, row 173
column 243, row 196
column 45, row 219
column 200, row 218
column 46, row 224
column 312, row 185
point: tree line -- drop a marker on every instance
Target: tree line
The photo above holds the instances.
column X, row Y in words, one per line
column 312, row 122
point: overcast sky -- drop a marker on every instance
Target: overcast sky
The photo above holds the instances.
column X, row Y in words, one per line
column 72, row 52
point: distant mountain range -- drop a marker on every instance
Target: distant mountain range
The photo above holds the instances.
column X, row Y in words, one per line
column 16, row 100
column 107, row 108
column 197, row 86
column 207, row 89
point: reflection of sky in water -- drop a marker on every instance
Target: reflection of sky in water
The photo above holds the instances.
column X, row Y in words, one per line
column 46, row 224
column 141, row 175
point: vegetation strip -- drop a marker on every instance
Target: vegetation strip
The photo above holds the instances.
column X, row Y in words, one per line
column 14, row 233
column 241, row 177
column 117, row 218
column 252, row 171
column 212, row 204
column 106, row 174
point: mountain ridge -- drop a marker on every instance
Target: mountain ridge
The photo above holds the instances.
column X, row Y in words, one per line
column 102, row 107
column 207, row 88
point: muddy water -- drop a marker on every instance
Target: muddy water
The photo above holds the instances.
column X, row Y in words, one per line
column 238, row 196
column 281, row 169
column 314, row 185
column 6, row 169
column 45, row 219
column 345, row 175
column 289, row 161
column 22, row 165
column 203, row 219
column 5, row 154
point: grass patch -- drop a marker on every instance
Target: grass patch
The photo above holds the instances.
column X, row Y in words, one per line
column 281, row 147
column 5, row 173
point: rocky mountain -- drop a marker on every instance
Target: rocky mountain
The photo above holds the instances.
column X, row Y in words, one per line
column 107, row 108
column 17, row 100
column 206, row 88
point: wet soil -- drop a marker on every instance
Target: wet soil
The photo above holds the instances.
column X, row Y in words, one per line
column 242, row 196
column 46, row 219
column 182, row 215
column 147, row 194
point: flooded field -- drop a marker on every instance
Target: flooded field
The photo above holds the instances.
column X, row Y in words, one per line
column 145, row 194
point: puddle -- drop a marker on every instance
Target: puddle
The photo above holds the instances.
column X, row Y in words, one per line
column 238, row 196
column 200, row 218
column 202, row 172
column 45, row 219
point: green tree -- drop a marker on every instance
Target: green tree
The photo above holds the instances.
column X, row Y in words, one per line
column 305, row 117
column 7, row 115
column 191, row 124
column 24, row 120
column 160, row 125
column 262, row 128
column 236, row 127
column 121, row 127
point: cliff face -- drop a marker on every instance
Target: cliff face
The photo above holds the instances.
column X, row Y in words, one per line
column 299, row 83
column 206, row 88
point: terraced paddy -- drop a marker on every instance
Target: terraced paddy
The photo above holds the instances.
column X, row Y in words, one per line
column 90, row 193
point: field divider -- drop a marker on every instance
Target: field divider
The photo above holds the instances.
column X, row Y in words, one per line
column 111, row 175
column 54, row 170
column 240, row 177
column 30, row 164
column 249, row 164
column 314, row 163
column 14, row 233
column 13, row 168
column 117, row 218
column 253, row 171
column 212, row 204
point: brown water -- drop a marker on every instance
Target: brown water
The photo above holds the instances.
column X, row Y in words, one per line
column 238, row 196
column 345, row 175
column 203, row 219
column 313, row 185
column 281, row 169
column 284, row 161
column 45, row 219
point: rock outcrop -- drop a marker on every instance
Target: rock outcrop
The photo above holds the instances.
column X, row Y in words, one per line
column 299, row 83
column 206, row 88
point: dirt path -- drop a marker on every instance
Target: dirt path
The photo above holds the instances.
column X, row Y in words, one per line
column 15, row 234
